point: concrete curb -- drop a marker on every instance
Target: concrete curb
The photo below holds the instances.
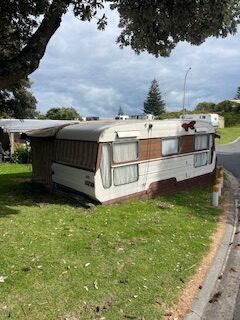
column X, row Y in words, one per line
column 219, row 263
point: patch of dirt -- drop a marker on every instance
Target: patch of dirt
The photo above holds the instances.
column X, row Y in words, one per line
column 96, row 310
column 194, row 285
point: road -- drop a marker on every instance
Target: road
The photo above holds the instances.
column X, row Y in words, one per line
column 226, row 306
column 229, row 156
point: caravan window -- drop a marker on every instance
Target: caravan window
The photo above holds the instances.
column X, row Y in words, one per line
column 170, row 146
column 200, row 159
column 201, row 142
column 77, row 153
column 125, row 151
column 105, row 166
column 211, row 149
column 125, row 174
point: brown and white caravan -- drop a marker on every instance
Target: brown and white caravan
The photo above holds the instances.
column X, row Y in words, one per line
column 113, row 161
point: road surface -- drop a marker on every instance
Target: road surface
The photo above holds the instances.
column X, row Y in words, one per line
column 226, row 303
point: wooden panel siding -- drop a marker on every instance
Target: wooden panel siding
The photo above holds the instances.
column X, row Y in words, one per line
column 150, row 149
column 187, row 144
column 80, row 154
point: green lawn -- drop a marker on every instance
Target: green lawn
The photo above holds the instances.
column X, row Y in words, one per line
column 228, row 134
column 127, row 261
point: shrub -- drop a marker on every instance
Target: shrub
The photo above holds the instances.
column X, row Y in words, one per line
column 231, row 118
column 22, row 154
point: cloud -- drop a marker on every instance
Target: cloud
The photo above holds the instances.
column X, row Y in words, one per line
column 84, row 68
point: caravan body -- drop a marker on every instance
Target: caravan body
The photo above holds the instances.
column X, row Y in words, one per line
column 212, row 118
column 119, row 160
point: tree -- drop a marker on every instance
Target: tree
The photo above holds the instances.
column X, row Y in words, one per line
column 62, row 114
column 154, row 26
column 154, row 103
column 205, row 107
column 237, row 96
column 224, row 106
column 120, row 111
column 18, row 102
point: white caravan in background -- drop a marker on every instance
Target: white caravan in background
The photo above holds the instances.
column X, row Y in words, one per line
column 212, row 118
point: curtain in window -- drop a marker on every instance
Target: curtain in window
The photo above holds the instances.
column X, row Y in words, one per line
column 210, row 153
column 105, row 166
column 200, row 159
column 201, row 142
column 81, row 154
column 126, row 174
column 125, row 151
column 170, row 146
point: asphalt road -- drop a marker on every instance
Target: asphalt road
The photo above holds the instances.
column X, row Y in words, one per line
column 227, row 305
column 228, row 155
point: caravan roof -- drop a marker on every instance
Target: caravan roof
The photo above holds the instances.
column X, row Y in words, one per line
column 104, row 131
column 24, row 125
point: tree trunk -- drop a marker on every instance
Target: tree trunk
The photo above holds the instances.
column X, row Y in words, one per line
column 27, row 61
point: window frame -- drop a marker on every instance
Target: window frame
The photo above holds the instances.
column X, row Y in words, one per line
column 211, row 148
column 126, row 183
column 198, row 135
column 110, row 167
column 171, row 138
column 202, row 165
column 121, row 142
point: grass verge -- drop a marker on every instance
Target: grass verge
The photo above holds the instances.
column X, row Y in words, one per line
column 228, row 134
column 127, row 261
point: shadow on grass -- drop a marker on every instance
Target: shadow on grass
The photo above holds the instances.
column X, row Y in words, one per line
column 197, row 201
column 18, row 190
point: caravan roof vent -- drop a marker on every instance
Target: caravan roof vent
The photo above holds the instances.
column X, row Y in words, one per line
column 128, row 134
column 201, row 129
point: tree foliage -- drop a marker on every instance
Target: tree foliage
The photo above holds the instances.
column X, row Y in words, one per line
column 237, row 95
column 120, row 111
column 146, row 25
column 204, row 107
column 18, row 102
column 174, row 114
column 154, row 103
column 62, row 114
column 223, row 106
column 228, row 109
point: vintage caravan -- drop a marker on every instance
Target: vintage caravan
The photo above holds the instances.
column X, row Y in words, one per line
column 113, row 161
column 214, row 119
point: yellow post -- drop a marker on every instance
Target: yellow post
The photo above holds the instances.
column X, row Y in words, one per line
column 221, row 171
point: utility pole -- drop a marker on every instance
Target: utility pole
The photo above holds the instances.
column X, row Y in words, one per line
column 184, row 91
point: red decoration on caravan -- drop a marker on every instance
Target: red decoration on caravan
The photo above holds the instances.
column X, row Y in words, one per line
column 190, row 125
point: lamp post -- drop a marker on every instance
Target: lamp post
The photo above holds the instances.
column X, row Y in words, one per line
column 184, row 90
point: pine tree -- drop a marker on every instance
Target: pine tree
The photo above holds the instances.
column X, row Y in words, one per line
column 237, row 96
column 120, row 111
column 154, row 103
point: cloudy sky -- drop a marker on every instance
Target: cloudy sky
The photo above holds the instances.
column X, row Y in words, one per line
column 85, row 69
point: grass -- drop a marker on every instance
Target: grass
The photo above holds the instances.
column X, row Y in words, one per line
column 127, row 261
column 228, row 134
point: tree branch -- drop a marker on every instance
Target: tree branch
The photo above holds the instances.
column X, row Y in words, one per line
column 27, row 61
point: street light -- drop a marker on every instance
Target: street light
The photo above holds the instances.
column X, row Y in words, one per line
column 184, row 90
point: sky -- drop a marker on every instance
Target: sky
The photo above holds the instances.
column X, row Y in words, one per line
column 85, row 69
